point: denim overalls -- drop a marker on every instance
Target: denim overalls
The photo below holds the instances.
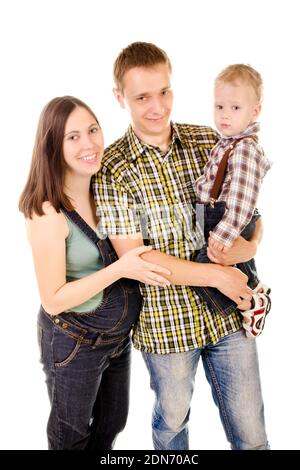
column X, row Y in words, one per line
column 216, row 301
column 213, row 213
column 86, row 359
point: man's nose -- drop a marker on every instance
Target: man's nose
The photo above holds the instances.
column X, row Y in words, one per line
column 157, row 105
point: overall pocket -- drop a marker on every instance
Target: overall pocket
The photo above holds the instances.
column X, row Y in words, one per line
column 64, row 347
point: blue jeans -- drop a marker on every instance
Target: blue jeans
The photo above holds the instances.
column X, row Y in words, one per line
column 216, row 301
column 231, row 368
column 86, row 360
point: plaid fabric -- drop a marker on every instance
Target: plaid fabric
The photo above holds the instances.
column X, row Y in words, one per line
column 140, row 190
column 247, row 166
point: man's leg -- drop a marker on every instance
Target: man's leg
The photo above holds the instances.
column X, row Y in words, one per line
column 231, row 367
column 172, row 379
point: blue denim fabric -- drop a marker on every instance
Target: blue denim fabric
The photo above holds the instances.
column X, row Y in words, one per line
column 86, row 359
column 216, row 301
column 231, row 368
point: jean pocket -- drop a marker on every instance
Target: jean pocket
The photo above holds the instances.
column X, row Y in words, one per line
column 65, row 348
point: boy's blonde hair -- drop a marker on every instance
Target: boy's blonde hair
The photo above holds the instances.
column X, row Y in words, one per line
column 246, row 74
column 138, row 54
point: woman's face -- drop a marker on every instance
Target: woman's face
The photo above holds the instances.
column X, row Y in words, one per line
column 83, row 143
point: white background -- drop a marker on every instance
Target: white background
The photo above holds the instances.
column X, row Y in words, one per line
column 52, row 48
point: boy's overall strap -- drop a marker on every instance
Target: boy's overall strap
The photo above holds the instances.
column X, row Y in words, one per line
column 215, row 190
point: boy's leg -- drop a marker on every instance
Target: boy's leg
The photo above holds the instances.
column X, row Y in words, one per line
column 172, row 380
column 215, row 300
column 231, row 367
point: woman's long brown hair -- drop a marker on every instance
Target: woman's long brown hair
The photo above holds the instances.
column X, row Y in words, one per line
column 47, row 172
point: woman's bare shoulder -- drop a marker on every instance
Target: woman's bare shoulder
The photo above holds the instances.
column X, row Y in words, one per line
column 51, row 221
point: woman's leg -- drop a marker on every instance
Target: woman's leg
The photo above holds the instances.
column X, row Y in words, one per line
column 111, row 406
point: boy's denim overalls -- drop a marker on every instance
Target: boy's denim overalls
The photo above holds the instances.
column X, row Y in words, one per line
column 86, row 359
column 213, row 213
column 216, row 301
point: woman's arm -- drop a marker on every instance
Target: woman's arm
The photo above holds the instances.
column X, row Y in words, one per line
column 47, row 235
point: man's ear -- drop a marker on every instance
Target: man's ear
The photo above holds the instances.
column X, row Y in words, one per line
column 119, row 97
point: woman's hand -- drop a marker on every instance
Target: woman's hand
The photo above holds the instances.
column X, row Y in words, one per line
column 132, row 266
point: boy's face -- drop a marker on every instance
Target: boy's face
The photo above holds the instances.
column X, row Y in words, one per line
column 236, row 107
column 148, row 96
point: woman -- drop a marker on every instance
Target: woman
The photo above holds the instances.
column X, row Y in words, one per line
column 88, row 307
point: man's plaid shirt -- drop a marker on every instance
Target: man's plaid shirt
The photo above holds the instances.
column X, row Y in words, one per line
column 141, row 190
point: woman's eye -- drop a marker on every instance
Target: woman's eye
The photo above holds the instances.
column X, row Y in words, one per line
column 93, row 130
column 73, row 137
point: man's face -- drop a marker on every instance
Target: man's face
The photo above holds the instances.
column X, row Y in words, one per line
column 148, row 96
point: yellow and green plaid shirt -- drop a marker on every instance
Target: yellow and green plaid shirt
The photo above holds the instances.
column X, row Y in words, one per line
column 141, row 190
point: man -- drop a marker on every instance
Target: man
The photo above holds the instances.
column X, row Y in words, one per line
column 145, row 190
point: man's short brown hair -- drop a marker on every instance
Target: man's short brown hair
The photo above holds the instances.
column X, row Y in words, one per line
column 138, row 54
column 242, row 73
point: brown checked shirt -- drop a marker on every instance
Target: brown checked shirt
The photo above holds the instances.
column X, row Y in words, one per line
column 247, row 166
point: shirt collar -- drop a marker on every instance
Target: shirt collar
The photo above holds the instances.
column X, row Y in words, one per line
column 134, row 147
column 253, row 128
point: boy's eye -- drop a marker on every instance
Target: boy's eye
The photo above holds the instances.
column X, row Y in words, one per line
column 218, row 106
column 235, row 108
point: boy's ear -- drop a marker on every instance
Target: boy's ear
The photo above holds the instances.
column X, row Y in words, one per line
column 119, row 97
column 256, row 111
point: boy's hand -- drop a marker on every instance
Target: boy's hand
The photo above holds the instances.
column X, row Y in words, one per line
column 240, row 252
column 216, row 245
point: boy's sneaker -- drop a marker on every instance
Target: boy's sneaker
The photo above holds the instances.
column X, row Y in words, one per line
column 254, row 319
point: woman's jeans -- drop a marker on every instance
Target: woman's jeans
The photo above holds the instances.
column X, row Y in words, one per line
column 216, row 301
column 231, row 368
column 86, row 359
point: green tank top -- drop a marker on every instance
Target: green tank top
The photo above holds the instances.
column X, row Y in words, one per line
column 82, row 258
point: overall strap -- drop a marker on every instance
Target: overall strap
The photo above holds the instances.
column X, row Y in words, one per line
column 83, row 226
column 216, row 188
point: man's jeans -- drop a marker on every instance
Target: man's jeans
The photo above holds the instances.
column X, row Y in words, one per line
column 231, row 368
column 216, row 301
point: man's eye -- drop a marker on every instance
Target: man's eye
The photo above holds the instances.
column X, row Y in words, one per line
column 142, row 98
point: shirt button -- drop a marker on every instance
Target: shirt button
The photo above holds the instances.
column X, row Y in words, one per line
column 65, row 326
column 56, row 321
